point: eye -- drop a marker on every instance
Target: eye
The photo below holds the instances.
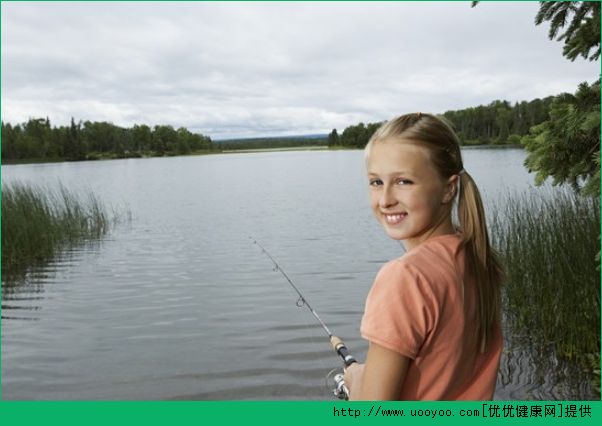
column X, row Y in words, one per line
column 404, row 182
column 375, row 182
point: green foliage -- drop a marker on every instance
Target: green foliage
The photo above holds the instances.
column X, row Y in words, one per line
column 37, row 223
column 583, row 32
column 496, row 122
column 514, row 139
column 269, row 143
column 358, row 136
column 37, row 140
column 567, row 146
column 548, row 242
column 333, row 138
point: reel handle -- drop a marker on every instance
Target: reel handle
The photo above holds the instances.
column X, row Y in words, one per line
column 340, row 348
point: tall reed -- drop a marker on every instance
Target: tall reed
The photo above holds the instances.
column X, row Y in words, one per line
column 548, row 239
column 37, row 223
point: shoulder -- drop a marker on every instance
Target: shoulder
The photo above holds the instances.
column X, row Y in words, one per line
column 441, row 255
column 399, row 278
column 423, row 266
column 398, row 268
column 429, row 269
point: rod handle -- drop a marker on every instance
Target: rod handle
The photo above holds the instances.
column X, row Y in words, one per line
column 340, row 348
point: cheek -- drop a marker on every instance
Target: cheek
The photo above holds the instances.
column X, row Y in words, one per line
column 425, row 202
column 435, row 201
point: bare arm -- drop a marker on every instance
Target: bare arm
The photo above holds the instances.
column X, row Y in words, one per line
column 381, row 378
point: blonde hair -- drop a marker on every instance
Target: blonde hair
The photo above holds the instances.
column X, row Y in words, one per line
column 482, row 263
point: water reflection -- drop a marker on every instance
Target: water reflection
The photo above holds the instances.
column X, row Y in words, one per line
column 527, row 373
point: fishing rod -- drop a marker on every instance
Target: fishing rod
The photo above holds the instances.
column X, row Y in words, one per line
column 341, row 391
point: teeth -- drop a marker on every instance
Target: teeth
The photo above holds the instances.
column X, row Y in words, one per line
column 394, row 218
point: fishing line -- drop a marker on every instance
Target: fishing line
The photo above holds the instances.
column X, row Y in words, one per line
column 337, row 344
column 301, row 301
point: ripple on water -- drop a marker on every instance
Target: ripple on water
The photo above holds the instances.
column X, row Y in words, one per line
column 526, row 374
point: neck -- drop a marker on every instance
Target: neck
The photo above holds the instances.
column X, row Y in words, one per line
column 445, row 227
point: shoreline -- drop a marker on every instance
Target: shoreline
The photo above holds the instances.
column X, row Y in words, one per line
column 228, row 151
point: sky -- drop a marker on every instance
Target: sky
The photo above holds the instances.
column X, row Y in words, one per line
column 250, row 69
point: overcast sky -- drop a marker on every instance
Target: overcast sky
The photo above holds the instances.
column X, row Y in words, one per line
column 259, row 69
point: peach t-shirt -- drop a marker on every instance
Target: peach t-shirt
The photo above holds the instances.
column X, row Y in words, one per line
column 420, row 307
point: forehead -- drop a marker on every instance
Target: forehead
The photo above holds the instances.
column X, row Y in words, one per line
column 394, row 157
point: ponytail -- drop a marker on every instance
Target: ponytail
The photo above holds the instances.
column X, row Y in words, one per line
column 482, row 263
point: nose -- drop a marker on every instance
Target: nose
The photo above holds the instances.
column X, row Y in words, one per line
column 387, row 198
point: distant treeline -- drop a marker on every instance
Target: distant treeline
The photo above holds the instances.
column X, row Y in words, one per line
column 499, row 122
column 259, row 143
column 37, row 139
column 496, row 123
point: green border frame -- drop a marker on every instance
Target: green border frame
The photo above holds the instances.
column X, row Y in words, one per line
column 300, row 413
column 291, row 413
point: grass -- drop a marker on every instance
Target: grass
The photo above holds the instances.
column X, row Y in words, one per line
column 38, row 223
column 548, row 240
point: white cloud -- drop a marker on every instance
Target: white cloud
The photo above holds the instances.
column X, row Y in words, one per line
column 250, row 69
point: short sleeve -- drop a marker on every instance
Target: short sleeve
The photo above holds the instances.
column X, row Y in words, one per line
column 400, row 309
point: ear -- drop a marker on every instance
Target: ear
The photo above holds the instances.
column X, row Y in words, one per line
column 450, row 188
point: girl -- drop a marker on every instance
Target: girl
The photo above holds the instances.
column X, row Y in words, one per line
column 432, row 317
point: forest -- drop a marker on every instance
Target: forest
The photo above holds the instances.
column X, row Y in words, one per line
column 498, row 123
column 38, row 140
column 270, row 143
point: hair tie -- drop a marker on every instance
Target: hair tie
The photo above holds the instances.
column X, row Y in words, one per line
column 461, row 172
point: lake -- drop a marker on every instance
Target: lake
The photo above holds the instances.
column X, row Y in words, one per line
column 178, row 303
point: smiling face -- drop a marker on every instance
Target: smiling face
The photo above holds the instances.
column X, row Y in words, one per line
column 407, row 195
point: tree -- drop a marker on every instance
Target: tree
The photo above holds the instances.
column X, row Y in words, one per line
column 36, row 139
column 184, row 139
column 9, row 138
column 141, row 138
column 496, row 122
column 567, row 146
column 353, row 136
column 74, row 149
column 333, row 138
column 582, row 34
column 164, row 139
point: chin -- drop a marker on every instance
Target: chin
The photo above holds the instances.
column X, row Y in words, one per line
column 395, row 234
column 396, row 237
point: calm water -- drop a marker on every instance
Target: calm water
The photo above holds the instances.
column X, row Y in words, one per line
column 178, row 303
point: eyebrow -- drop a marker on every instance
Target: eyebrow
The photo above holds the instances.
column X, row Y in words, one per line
column 393, row 174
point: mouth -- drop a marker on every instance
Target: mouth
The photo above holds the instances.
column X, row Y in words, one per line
column 394, row 219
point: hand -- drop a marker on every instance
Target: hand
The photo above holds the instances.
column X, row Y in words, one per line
column 353, row 374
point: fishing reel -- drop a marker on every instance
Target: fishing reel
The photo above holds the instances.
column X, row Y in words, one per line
column 340, row 390
column 338, row 386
